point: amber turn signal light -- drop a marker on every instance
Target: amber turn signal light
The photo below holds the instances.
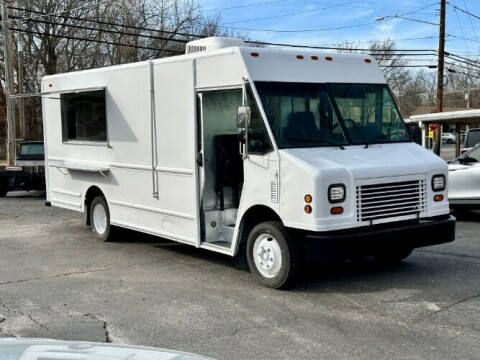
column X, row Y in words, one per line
column 438, row 198
column 308, row 199
column 336, row 210
column 308, row 209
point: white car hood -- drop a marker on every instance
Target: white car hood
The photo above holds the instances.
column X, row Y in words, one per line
column 379, row 160
column 35, row 349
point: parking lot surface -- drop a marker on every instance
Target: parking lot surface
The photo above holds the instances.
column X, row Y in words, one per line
column 57, row 281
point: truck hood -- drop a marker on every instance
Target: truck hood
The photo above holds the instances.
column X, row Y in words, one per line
column 379, row 160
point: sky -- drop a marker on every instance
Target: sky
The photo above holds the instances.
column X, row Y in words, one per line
column 356, row 20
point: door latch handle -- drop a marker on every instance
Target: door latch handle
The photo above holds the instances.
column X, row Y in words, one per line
column 200, row 159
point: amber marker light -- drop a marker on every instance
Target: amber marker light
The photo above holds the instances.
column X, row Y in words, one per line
column 314, row 57
column 300, row 57
column 308, row 199
column 254, row 54
column 328, row 58
column 336, row 210
column 438, row 198
column 368, row 61
column 308, row 209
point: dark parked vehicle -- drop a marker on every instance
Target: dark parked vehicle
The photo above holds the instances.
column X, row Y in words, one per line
column 472, row 138
column 28, row 172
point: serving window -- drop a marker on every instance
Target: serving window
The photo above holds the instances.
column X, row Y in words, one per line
column 84, row 116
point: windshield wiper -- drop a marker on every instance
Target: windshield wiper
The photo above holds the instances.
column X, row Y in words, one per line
column 467, row 160
column 379, row 137
column 326, row 141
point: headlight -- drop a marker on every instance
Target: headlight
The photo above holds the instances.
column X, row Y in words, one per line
column 336, row 193
column 439, row 182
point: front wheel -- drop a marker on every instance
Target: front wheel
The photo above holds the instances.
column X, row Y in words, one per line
column 272, row 255
column 100, row 218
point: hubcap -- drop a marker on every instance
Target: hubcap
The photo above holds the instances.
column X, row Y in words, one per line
column 267, row 255
column 99, row 219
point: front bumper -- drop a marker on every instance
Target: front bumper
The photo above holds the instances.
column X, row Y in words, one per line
column 368, row 240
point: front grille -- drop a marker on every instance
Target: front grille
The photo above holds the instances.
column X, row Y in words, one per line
column 379, row 201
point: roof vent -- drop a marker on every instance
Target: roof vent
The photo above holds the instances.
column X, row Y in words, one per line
column 212, row 43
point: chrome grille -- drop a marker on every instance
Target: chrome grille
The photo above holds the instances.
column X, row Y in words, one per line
column 379, row 201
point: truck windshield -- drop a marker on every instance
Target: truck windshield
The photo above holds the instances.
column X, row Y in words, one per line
column 32, row 149
column 313, row 115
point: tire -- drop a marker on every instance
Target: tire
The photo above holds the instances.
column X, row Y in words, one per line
column 393, row 255
column 3, row 190
column 272, row 255
column 100, row 219
column 450, row 141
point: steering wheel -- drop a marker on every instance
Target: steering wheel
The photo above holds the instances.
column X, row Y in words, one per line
column 350, row 121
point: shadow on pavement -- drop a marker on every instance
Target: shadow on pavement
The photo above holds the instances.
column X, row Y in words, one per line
column 12, row 195
column 347, row 276
column 466, row 215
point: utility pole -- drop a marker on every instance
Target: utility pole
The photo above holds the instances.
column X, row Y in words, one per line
column 11, row 147
column 20, row 91
column 441, row 60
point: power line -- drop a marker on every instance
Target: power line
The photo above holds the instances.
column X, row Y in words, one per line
column 107, row 23
column 299, row 31
column 463, row 38
column 293, row 14
column 461, row 73
column 465, row 11
column 463, row 58
column 95, row 40
column 183, row 34
column 336, row 47
column 325, row 29
column 409, row 66
column 247, row 5
column 48, row 14
column 104, row 30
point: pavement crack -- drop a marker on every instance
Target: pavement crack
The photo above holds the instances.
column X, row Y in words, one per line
column 461, row 301
column 108, row 338
column 54, row 276
column 36, row 321
column 448, row 254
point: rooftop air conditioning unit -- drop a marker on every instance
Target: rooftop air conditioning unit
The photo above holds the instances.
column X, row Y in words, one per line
column 212, row 43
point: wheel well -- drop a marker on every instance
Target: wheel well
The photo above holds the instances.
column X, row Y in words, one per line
column 91, row 194
column 253, row 216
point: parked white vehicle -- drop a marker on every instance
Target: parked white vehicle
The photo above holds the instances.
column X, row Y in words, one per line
column 464, row 184
column 448, row 138
column 276, row 154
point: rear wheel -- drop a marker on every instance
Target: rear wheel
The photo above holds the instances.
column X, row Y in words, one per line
column 272, row 255
column 100, row 218
column 3, row 190
column 393, row 255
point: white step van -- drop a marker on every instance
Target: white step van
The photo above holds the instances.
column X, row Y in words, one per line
column 279, row 155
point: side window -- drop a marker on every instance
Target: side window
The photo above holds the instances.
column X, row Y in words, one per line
column 84, row 116
column 258, row 139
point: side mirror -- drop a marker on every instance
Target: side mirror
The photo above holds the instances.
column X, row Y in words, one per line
column 244, row 115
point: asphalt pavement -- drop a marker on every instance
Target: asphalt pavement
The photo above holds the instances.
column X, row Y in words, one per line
column 57, row 281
